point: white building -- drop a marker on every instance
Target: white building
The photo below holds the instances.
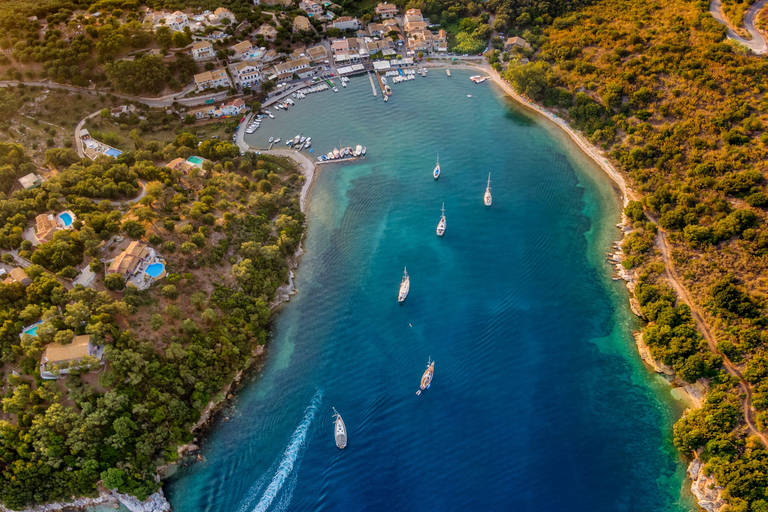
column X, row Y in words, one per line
column 216, row 78
column 223, row 13
column 247, row 74
column 203, row 50
column 177, row 21
column 311, row 7
column 345, row 22
column 286, row 70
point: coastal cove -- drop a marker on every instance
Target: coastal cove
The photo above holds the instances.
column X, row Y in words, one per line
column 540, row 400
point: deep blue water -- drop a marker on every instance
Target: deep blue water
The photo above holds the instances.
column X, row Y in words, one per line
column 539, row 400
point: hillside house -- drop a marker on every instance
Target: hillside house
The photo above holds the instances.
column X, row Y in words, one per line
column 58, row 360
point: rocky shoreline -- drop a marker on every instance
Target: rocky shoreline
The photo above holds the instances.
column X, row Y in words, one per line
column 155, row 503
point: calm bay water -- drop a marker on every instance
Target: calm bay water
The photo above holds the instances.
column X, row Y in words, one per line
column 539, row 400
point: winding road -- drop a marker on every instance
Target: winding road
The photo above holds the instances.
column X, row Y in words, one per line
column 757, row 44
column 682, row 292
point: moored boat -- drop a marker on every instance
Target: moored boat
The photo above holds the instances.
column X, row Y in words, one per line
column 358, row 150
column 277, row 140
column 336, row 153
column 436, row 172
column 405, row 286
column 271, row 140
column 487, row 197
column 426, row 379
column 442, row 224
column 339, row 430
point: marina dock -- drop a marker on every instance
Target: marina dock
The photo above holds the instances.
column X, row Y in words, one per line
column 373, row 86
column 381, row 84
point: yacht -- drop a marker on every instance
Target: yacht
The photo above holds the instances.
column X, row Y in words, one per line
column 441, row 224
column 436, row 172
column 426, row 379
column 405, row 286
column 339, row 430
column 487, row 197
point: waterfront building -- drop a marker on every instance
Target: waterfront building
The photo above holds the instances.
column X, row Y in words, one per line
column 58, row 360
column 301, row 23
column 215, row 78
column 203, row 50
column 386, row 10
column 317, row 53
column 233, row 108
column 247, row 74
column 286, row 70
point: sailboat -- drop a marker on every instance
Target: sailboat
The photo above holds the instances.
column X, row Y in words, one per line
column 405, row 286
column 339, row 430
column 487, row 197
column 441, row 224
column 436, row 172
column 426, row 379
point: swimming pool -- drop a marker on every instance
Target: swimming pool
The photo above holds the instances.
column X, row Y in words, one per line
column 31, row 329
column 155, row 269
column 66, row 218
column 114, row 153
column 195, row 160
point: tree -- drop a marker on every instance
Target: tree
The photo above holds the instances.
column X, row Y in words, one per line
column 61, row 157
column 114, row 281
column 169, row 291
column 268, row 86
column 133, row 229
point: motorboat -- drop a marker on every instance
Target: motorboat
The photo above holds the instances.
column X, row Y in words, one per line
column 271, row 140
column 436, row 171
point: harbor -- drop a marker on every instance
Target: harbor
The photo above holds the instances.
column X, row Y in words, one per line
column 485, row 300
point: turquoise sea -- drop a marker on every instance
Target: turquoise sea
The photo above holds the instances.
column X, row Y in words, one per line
column 539, row 400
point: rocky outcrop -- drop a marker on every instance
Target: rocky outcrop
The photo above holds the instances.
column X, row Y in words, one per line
column 647, row 357
column 155, row 503
column 704, row 488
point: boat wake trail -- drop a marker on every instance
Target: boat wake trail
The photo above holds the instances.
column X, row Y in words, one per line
column 290, row 460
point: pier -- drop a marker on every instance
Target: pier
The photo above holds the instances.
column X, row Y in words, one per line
column 373, row 86
column 381, row 84
column 341, row 160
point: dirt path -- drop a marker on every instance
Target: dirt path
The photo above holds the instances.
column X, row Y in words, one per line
column 701, row 325
column 757, row 44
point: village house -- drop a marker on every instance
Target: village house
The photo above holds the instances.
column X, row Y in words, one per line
column 286, row 70
column 317, row 53
column 413, row 15
column 311, row 8
column 247, row 73
column 122, row 109
column 386, row 10
column 30, row 181
column 199, row 113
column 440, row 41
column 268, row 32
column 516, row 42
column 45, row 227
column 346, row 22
column 177, row 21
column 233, row 108
column 216, row 35
column 377, row 29
column 203, row 50
column 215, row 78
column 241, row 49
column 18, row 275
column 129, row 261
column 223, row 13
column 284, row 3
column 301, row 23
column 58, row 360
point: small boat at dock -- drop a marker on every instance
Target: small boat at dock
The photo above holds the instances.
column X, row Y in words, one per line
column 277, row 140
column 441, row 224
column 405, row 287
column 436, row 171
column 448, row 72
column 426, row 379
column 271, row 139
column 487, row 197
column 339, row 430
column 386, row 98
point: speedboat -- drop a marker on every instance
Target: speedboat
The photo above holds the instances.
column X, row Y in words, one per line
column 364, row 150
column 307, row 144
column 436, row 172
column 335, row 90
column 302, row 139
column 358, row 150
column 441, row 224
column 339, row 431
column 405, row 287
column 271, row 140
column 277, row 140
column 426, row 379
column 487, row 197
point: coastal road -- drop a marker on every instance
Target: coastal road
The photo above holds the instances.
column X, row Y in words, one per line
column 682, row 292
column 757, row 44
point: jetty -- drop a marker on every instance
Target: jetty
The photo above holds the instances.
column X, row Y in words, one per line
column 381, row 84
column 373, row 86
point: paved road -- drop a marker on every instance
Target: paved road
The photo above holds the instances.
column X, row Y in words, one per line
column 78, row 140
column 757, row 44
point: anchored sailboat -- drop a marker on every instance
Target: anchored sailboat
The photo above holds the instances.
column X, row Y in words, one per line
column 436, row 172
column 441, row 224
column 405, row 286
column 487, row 197
column 426, row 379
column 340, row 430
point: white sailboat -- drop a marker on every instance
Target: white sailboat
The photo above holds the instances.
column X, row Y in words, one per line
column 339, row 430
column 487, row 197
column 405, row 286
column 441, row 224
column 436, row 172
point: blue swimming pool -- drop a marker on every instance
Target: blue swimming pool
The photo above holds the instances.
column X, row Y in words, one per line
column 66, row 218
column 155, row 269
column 32, row 331
column 196, row 160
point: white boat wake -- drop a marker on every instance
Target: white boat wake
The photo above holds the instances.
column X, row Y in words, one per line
column 290, row 461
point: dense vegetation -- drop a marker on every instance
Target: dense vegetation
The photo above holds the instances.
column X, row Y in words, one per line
column 187, row 336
